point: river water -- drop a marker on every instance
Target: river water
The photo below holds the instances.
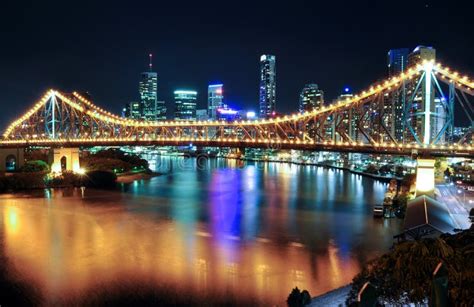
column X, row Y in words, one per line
column 213, row 231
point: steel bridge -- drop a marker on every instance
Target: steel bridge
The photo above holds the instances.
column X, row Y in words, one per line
column 412, row 113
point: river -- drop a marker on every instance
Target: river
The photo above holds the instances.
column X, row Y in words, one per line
column 213, row 231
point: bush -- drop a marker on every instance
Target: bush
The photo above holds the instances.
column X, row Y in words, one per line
column 37, row 154
column 66, row 179
column 100, row 179
column 371, row 169
column 298, row 299
column 22, row 181
column 385, row 169
column 399, row 205
column 114, row 160
column 35, row 166
column 399, row 171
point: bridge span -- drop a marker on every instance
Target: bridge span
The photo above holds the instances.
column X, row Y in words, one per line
column 409, row 114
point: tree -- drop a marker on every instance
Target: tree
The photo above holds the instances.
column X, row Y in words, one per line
column 385, row 169
column 35, row 166
column 399, row 205
column 408, row 180
column 114, row 160
column 404, row 275
column 371, row 169
column 399, row 171
column 298, row 298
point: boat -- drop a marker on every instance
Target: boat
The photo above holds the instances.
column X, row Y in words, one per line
column 378, row 210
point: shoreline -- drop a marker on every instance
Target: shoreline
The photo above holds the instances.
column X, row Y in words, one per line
column 381, row 178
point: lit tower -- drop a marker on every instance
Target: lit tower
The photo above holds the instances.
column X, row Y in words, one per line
column 185, row 101
column 267, row 86
column 215, row 97
column 311, row 98
column 151, row 109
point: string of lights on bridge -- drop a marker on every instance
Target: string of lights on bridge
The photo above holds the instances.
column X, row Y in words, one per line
column 98, row 113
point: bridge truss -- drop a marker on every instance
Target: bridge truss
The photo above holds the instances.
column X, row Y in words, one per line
column 411, row 112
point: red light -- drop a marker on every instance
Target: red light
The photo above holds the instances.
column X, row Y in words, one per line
column 219, row 91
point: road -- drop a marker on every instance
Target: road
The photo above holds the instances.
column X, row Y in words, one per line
column 458, row 202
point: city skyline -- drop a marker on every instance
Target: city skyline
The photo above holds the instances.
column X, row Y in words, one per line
column 250, row 153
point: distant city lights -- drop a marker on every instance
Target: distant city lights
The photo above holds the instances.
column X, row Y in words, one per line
column 251, row 115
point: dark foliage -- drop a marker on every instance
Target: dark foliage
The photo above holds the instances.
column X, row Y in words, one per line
column 408, row 180
column 37, row 154
column 100, row 179
column 399, row 205
column 22, row 181
column 35, row 166
column 114, row 160
column 385, row 169
column 298, row 298
column 66, row 179
column 372, row 169
column 405, row 274
column 399, row 171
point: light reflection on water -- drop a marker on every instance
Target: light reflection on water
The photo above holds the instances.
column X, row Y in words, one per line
column 254, row 230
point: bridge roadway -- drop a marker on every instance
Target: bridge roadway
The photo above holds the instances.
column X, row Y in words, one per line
column 382, row 149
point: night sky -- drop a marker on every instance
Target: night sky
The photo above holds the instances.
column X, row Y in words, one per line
column 102, row 47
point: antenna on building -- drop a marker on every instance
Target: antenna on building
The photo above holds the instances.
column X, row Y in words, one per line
column 151, row 62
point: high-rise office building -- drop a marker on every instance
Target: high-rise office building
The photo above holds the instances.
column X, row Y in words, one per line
column 160, row 110
column 267, row 86
column 215, row 98
column 135, row 110
column 311, row 98
column 420, row 54
column 394, row 107
column 201, row 114
column 151, row 108
column 126, row 110
column 132, row 110
column 185, row 103
column 397, row 60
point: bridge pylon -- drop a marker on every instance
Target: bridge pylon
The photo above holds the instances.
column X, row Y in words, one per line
column 11, row 159
column 425, row 177
column 66, row 159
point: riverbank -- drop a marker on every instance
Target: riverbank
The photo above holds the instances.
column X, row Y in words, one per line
column 370, row 175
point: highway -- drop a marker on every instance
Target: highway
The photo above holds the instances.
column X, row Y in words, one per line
column 458, row 202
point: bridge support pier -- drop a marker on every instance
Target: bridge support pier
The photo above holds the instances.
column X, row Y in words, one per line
column 11, row 159
column 65, row 159
column 425, row 177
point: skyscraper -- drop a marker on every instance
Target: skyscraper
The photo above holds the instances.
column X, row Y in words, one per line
column 185, row 102
column 151, row 109
column 267, row 86
column 135, row 110
column 420, row 54
column 397, row 60
column 201, row 114
column 311, row 98
column 215, row 97
column 126, row 110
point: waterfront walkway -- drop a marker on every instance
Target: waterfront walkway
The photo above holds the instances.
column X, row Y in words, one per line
column 336, row 297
